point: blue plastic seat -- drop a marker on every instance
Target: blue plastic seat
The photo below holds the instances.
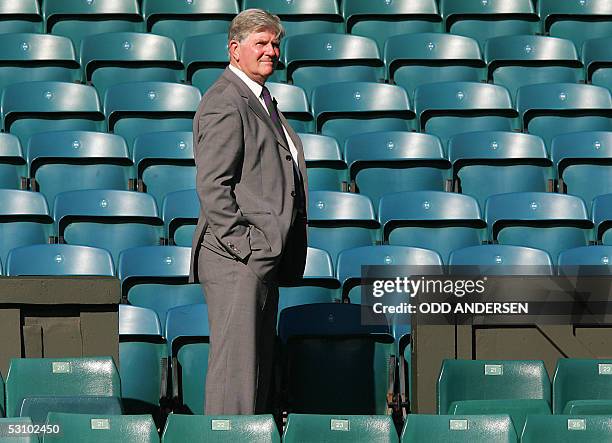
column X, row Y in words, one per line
column 20, row 16
column 597, row 60
column 602, row 218
column 500, row 260
column 292, row 102
column 180, row 212
column 459, row 429
column 557, row 428
column 12, row 162
column 326, row 168
column 590, row 260
column 205, row 58
column 582, row 387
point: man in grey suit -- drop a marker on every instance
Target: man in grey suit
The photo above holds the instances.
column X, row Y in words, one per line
column 251, row 232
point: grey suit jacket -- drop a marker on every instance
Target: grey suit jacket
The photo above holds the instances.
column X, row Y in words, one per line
column 245, row 183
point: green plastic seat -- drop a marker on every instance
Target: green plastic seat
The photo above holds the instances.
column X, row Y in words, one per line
column 77, row 19
column 205, row 58
column 518, row 60
column 484, row 20
column 597, row 60
column 31, row 107
column 416, row 59
column 12, row 162
column 88, row 428
column 36, row 57
column 602, row 218
column 339, row 428
column 326, row 168
column 552, row 222
column 500, row 260
column 292, row 102
column 91, row 160
column 180, row 212
column 220, row 428
column 582, row 387
column 348, row 108
column 459, row 429
column 442, row 221
column 18, row 421
column 379, row 21
column 566, row 428
column 20, row 16
column 495, row 162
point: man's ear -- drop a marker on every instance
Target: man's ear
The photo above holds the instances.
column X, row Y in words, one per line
column 234, row 50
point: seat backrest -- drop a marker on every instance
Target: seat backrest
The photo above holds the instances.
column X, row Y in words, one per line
column 345, row 428
column 319, row 147
column 459, row 429
column 55, row 11
column 553, row 428
column 158, row 10
column 318, row 264
column 455, row 10
column 103, row 428
column 204, row 51
column 591, row 147
column 581, row 379
column 500, row 260
column 496, row 147
column 355, row 11
column 153, row 263
column 551, row 11
column 589, row 260
column 186, row 321
column 134, row 320
column 11, row 159
column 602, row 215
column 252, row 428
column 167, row 147
column 596, row 53
column 339, row 208
column 179, row 208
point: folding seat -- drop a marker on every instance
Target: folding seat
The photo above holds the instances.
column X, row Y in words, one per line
column 205, row 57
column 348, row 108
column 119, row 57
column 180, row 20
column 311, row 17
column 107, row 218
column 597, row 61
column 317, row 59
column 60, row 161
column 339, row 428
column 77, row 19
column 394, row 161
column 494, row 162
column 592, row 260
column 164, row 163
column 379, row 21
column 187, row 334
column 338, row 220
column 582, row 387
column 482, row 387
column 136, row 108
column 602, row 218
column 496, row 428
column 180, row 212
column 450, row 108
column 552, row 109
column 220, row 428
column 416, row 59
column 155, row 277
column 577, row 21
column 326, row 168
column 552, row 222
column 20, row 16
column 99, row 428
column 486, row 19
column 583, row 162
column 293, row 103
column 12, row 163
column 31, row 107
column 500, row 260
column 336, row 361
column 36, row 57
column 25, row 220
column 519, row 60
column 78, row 384
column 442, row 221
column 567, row 428
column 143, row 360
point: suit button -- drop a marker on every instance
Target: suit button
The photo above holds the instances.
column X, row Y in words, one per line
column 288, row 157
column 292, row 193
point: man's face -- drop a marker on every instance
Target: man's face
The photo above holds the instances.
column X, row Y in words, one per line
column 256, row 55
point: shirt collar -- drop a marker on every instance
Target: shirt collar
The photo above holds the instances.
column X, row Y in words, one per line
column 255, row 87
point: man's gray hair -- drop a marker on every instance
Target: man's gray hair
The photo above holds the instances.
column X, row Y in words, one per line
column 254, row 20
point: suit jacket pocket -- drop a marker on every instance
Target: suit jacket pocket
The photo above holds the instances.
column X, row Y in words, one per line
column 258, row 240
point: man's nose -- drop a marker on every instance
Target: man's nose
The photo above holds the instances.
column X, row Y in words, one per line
column 270, row 50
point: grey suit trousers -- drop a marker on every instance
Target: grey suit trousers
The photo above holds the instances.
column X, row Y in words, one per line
column 242, row 313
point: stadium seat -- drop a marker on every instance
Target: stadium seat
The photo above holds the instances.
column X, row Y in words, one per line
column 552, row 222
column 164, row 163
column 582, row 161
column 61, row 161
column 20, row 16
column 602, row 218
column 12, row 162
column 500, row 260
column 348, row 108
column 180, row 212
column 582, row 387
column 41, row 106
column 450, row 108
column 187, row 335
column 577, row 21
column 495, row 162
column 518, row 60
column 486, row 19
column 54, row 259
column 205, row 58
column 109, row 219
column 77, row 19
column 292, row 102
column 317, row 59
column 17, row 421
column 475, row 387
column 155, row 277
column 36, row 57
column 459, row 429
column 339, row 428
column 143, row 360
column 441, row 221
column 552, row 109
column 221, row 428
column 597, row 60
column 394, row 161
column 594, row 260
column 379, row 21
column 135, row 108
column 338, row 221
column 326, row 168
column 416, row 59
column 25, row 220
column 180, row 20
column 567, row 428
column 119, row 57
column 100, row 428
